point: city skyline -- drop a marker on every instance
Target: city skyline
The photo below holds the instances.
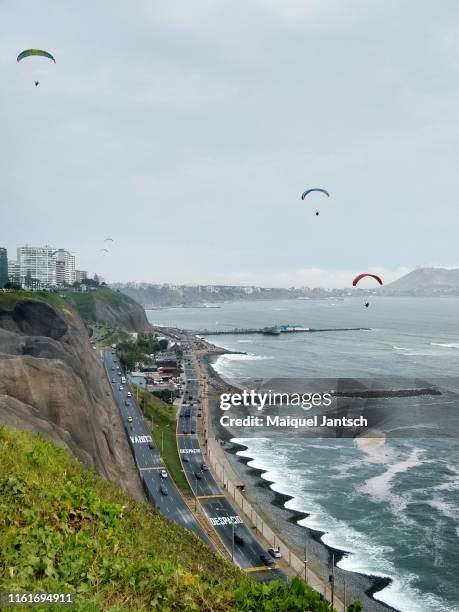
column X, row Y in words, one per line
column 39, row 267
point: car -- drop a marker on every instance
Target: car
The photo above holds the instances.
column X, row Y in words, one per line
column 185, row 459
column 129, row 419
column 113, row 368
column 192, row 430
column 163, row 490
column 121, row 387
column 163, row 474
column 127, row 403
column 129, row 394
column 275, row 552
column 113, row 380
column 266, row 559
column 238, row 539
column 204, row 467
column 198, row 475
column 150, row 445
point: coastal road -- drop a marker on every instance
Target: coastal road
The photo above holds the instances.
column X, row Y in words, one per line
column 245, row 549
column 147, row 457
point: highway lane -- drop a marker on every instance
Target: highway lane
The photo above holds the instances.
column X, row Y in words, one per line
column 147, row 456
column 245, row 549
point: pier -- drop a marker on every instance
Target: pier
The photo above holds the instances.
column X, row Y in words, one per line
column 276, row 330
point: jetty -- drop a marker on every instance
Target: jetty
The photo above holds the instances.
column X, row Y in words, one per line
column 276, row 330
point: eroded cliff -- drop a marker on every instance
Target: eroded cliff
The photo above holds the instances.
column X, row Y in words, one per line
column 52, row 382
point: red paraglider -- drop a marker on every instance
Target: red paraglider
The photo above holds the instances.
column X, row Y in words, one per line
column 358, row 278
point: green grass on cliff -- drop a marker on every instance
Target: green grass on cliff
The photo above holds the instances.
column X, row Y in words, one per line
column 64, row 529
column 85, row 301
column 10, row 299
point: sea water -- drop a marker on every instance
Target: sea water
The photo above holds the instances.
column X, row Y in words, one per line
column 390, row 502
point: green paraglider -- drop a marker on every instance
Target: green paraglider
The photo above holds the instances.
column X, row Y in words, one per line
column 35, row 53
column 31, row 52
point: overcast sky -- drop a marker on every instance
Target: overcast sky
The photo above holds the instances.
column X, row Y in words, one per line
column 187, row 130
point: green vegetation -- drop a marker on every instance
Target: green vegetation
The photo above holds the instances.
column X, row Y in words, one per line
column 111, row 335
column 63, row 528
column 276, row 596
column 85, row 302
column 131, row 353
column 162, row 421
column 9, row 299
column 166, row 395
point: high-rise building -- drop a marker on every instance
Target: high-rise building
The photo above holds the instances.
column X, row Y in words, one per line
column 65, row 268
column 3, row 267
column 13, row 271
column 80, row 275
column 37, row 266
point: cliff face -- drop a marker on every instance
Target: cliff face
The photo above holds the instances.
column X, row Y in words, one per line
column 52, row 382
column 108, row 307
column 125, row 313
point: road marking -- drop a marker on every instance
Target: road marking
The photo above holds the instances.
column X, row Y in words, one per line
column 157, row 467
column 261, row 568
column 225, row 520
column 210, row 496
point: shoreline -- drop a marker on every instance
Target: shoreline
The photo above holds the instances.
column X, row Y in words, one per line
column 272, row 505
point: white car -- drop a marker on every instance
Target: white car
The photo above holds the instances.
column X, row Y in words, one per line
column 163, row 474
column 129, row 394
column 275, row 552
column 121, row 387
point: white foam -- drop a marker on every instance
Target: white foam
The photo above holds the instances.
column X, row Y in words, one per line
column 223, row 364
column 379, row 487
column 454, row 345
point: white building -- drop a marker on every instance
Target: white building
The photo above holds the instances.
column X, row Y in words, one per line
column 37, row 266
column 13, row 271
column 81, row 275
column 65, row 268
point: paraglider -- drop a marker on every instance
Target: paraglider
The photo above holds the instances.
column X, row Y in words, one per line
column 35, row 53
column 319, row 189
column 38, row 52
column 103, row 250
column 109, row 240
column 359, row 277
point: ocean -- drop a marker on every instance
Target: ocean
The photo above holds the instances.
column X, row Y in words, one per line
column 392, row 503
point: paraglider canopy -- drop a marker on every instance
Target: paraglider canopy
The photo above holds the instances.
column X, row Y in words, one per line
column 315, row 189
column 359, row 277
column 38, row 52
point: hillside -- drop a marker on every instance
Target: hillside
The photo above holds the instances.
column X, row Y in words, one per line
column 425, row 281
column 64, row 529
column 108, row 307
column 52, row 382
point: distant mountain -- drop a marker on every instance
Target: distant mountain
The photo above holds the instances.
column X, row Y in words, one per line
column 425, row 281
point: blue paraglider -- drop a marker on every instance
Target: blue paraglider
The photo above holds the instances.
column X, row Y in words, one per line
column 324, row 191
